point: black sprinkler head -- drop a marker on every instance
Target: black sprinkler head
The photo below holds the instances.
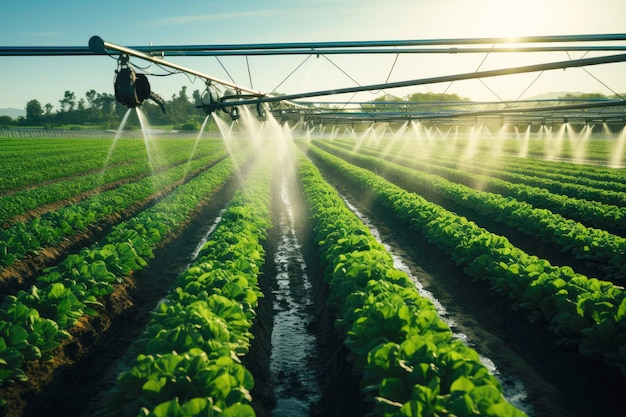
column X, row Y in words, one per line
column 132, row 89
column 234, row 112
column 209, row 101
column 260, row 110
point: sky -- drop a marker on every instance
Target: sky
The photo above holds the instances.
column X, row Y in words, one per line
column 193, row 22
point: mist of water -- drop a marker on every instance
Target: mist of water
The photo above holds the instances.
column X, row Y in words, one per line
column 152, row 150
column 617, row 154
column 524, row 144
column 117, row 136
column 195, row 144
column 554, row 143
column 579, row 143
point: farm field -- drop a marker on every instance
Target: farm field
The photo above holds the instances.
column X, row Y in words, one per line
column 269, row 273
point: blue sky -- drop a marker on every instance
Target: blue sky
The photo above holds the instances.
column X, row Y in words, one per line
column 72, row 23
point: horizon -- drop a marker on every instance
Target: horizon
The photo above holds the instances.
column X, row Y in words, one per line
column 8, row 111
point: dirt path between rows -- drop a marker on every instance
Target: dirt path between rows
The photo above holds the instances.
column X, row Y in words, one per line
column 558, row 380
column 72, row 382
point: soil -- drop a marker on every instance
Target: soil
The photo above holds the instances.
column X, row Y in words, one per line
column 22, row 273
column 340, row 392
column 71, row 383
column 339, row 388
column 558, row 380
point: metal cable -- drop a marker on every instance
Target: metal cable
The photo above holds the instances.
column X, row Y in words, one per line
column 290, row 74
column 249, row 74
column 340, row 69
column 225, row 70
column 530, row 85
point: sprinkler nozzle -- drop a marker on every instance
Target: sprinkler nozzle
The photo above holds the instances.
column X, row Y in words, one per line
column 260, row 110
column 234, row 112
column 132, row 89
column 209, row 100
column 158, row 100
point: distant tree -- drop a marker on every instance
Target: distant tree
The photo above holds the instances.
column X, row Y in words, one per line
column 403, row 104
column 91, row 97
column 34, row 112
column 179, row 108
column 105, row 103
column 68, row 102
column 6, row 121
column 434, row 97
column 48, row 107
column 197, row 97
column 585, row 96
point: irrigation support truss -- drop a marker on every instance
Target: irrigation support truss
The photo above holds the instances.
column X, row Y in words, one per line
column 589, row 110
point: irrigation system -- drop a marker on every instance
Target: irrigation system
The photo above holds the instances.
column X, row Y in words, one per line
column 132, row 88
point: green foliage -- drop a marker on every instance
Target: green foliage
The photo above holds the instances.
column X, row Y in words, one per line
column 34, row 322
column 187, row 359
column 102, row 109
column 581, row 311
column 409, row 364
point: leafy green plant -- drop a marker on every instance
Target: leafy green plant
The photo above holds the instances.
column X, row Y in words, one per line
column 410, row 365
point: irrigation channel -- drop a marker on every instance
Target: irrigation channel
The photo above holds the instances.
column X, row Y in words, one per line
column 294, row 358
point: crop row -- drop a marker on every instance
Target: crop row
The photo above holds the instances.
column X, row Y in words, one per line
column 406, row 357
column 187, row 360
column 20, row 202
column 589, row 212
column 596, row 176
column 34, row 322
column 581, row 311
column 519, row 169
column 502, row 154
column 21, row 164
column 596, row 245
column 22, row 239
column 609, row 191
column 67, row 158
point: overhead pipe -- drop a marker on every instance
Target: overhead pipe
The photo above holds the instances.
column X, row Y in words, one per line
column 447, row 78
column 343, row 47
column 180, row 51
column 391, row 43
column 98, row 45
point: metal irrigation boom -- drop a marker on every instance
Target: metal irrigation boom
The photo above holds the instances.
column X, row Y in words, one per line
column 132, row 89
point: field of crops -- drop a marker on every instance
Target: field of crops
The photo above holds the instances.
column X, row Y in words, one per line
column 144, row 279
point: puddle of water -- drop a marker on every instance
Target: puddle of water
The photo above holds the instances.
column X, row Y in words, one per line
column 206, row 236
column 512, row 388
column 293, row 346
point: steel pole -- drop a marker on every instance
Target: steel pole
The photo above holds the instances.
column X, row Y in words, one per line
column 99, row 46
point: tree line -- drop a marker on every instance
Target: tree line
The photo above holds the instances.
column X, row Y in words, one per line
column 102, row 110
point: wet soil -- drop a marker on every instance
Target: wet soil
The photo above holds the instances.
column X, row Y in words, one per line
column 558, row 380
column 339, row 386
column 71, row 383
column 22, row 273
column 283, row 387
column 74, row 381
